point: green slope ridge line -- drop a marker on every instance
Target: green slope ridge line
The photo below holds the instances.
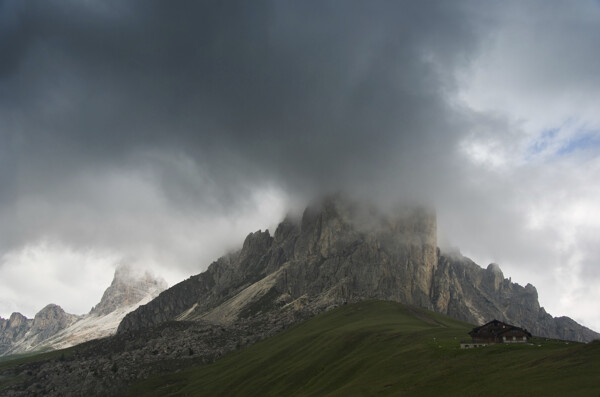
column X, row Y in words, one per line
column 385, row 349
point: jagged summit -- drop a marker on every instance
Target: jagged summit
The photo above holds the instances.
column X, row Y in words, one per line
column 325, row 258
column 129, row 286
column 12, row 330
column 53, row 328
column 50, row 320
column 15, row 320
column 341, row 251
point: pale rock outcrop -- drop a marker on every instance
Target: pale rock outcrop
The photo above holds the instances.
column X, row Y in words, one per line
column 129, row 286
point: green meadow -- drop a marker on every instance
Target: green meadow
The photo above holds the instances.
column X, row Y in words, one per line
column 386, row 349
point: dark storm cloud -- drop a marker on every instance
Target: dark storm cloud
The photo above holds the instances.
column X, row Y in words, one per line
column 310, row 94
column 168, row 130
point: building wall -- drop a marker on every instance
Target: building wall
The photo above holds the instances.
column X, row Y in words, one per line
column 472, row 345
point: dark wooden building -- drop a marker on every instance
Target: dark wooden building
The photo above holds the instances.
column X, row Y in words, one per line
column 496, row 332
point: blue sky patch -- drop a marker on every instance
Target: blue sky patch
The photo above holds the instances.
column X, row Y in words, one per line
column 580, row 142
column 540, row 144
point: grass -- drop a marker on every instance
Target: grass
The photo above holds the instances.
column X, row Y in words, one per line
column 35, row 356
column 387, row 349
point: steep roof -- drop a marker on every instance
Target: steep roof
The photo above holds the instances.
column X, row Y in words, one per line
column 498, row 328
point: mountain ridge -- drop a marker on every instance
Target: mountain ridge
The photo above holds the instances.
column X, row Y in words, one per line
column 53, row 328
column 329, row 257
column 318, row 264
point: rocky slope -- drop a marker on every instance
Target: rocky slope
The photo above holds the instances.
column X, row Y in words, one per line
column 339, row 252
column 105, row 367
column 53, row 328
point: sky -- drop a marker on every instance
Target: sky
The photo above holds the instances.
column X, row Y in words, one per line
column 159, row 134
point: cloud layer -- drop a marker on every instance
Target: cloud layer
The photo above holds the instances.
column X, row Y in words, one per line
column 162, row 133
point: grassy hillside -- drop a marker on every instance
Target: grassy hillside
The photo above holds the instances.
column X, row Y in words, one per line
column 384, row 348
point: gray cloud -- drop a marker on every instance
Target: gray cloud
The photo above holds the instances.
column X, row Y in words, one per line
column 307, row 96
column 140, row 126
column 272, row 85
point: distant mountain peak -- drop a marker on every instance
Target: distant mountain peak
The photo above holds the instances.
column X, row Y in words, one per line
column 16, row 319
column 53, row 328
column 129, row 286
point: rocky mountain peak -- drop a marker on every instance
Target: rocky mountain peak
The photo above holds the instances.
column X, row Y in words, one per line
column 16, row 320
column 338, row 251
column 52, row 327
column 129, row 286
column 50, row 320
column 341, row 251
column 494, row 276
column 495, row 268
column 49, row 311
column 285, row 229
column 255, row 242
column 531, row 289
column 12, row 330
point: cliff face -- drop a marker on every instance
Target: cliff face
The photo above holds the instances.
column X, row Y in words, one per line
column 326, row 258
column 339, row 252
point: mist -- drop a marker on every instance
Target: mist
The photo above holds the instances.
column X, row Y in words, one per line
column 161, row 134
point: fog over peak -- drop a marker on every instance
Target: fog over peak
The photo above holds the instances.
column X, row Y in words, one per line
column 166, row 132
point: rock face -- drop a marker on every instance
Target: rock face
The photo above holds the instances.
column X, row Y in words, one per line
column 329, row 257
column 53, row 328
column 339, row 252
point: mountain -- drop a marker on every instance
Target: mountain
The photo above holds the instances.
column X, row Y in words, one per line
column 53, row 328
column 330, row 262
column 340, row 252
